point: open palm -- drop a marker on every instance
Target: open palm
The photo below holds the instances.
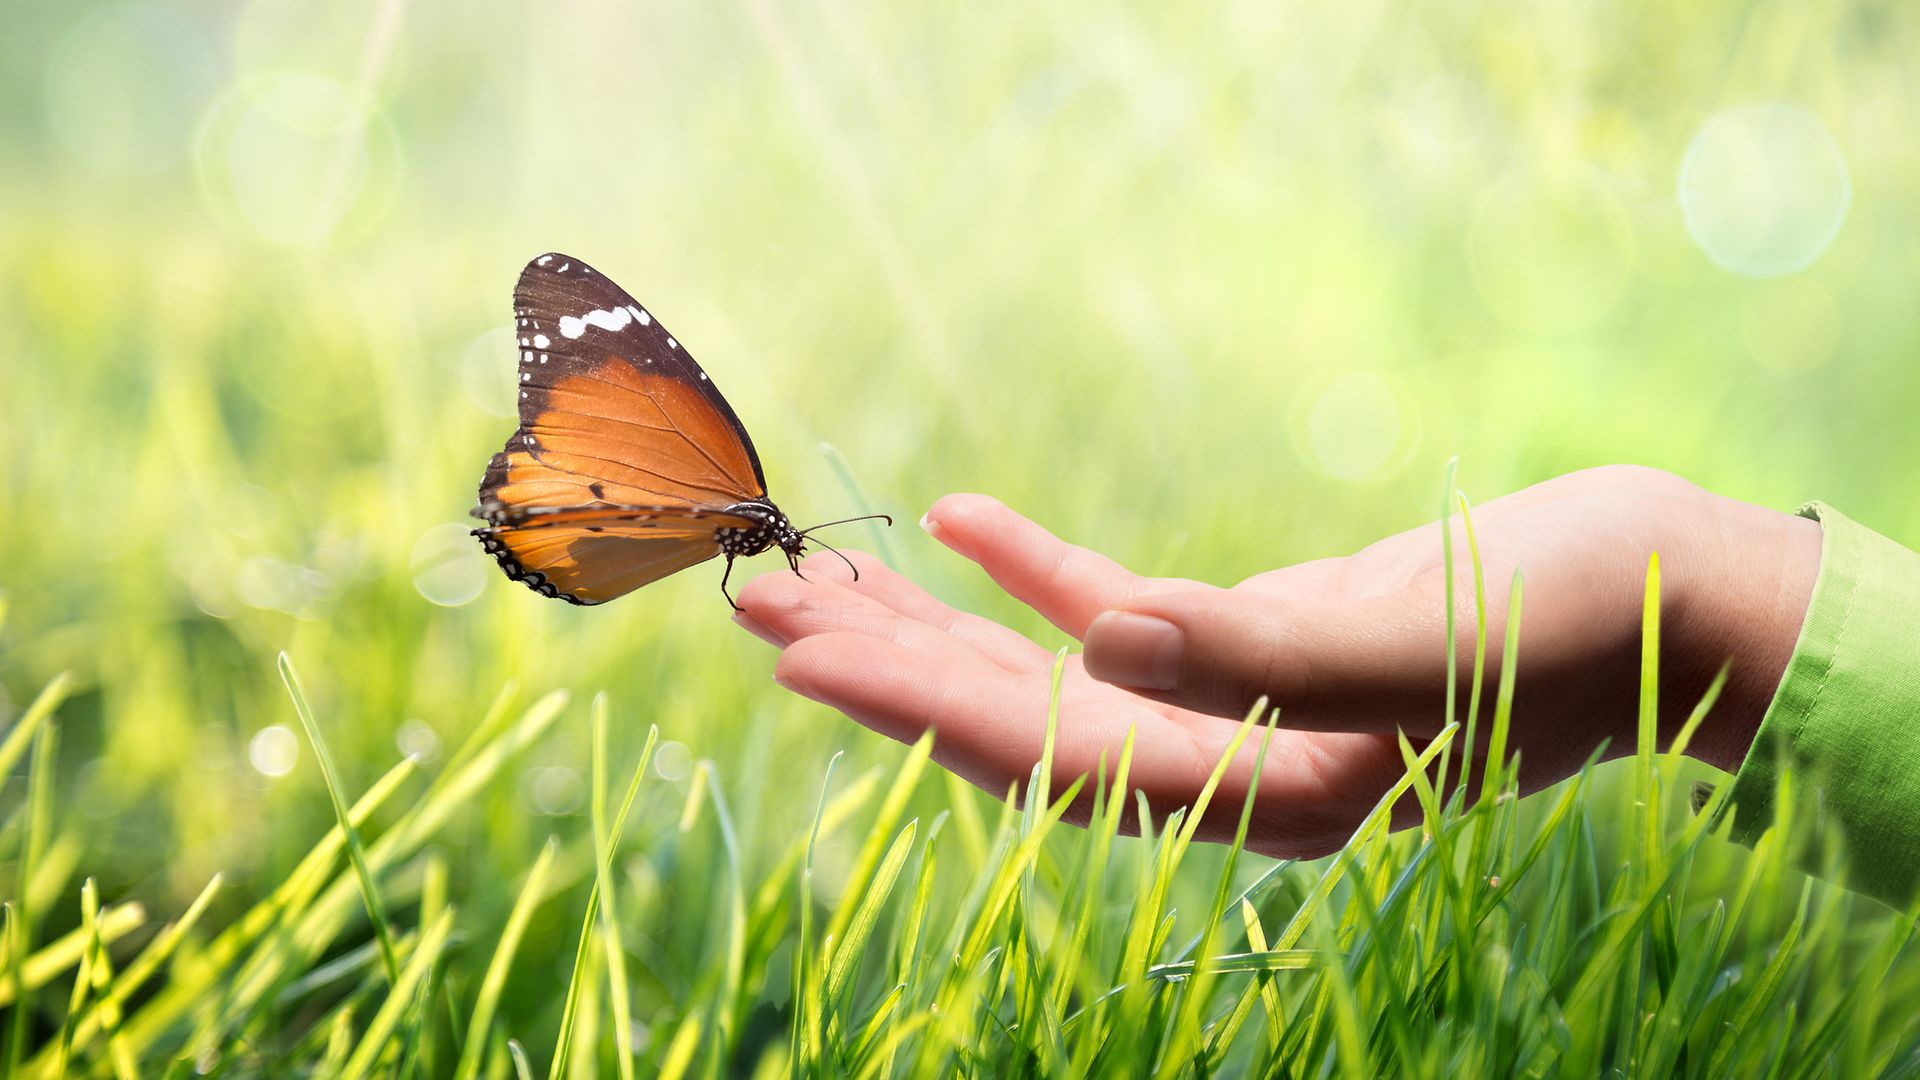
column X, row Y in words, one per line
column 1351, row 649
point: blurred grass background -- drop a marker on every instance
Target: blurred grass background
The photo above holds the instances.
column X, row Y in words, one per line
column 1213, row 292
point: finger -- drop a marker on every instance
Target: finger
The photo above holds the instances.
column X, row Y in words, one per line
column 989, row 724
column 759, row 629
column 1067, row 584
column 878, row 582
column 990, row 729
column 1365, row 665
column 792, row 608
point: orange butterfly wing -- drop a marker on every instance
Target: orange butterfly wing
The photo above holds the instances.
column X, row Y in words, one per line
column 592, row 555
column 614, row 416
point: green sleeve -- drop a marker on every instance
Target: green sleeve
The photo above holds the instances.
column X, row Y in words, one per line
column 1846, row 716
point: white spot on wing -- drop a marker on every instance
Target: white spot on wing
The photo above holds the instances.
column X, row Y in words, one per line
column 543, row 260
column 611, row 321
column 672, row 344
column 540, row 341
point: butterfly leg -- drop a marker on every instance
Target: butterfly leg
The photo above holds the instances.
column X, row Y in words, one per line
column 724, row 575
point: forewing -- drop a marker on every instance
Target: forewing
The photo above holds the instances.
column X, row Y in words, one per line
column 613, row 411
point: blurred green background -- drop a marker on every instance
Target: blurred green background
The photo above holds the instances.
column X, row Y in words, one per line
column 1213, row 291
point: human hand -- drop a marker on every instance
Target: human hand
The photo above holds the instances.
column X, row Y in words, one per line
column 1349, row 649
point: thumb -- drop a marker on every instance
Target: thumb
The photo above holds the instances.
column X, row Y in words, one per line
column 1331, row 666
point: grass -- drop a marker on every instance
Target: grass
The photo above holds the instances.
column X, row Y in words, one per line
column 1578, row 933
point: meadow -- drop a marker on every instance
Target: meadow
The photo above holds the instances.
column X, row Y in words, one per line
column 1213, row 294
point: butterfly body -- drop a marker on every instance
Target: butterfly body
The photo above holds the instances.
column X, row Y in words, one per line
column 628, row 464
column 770, row 529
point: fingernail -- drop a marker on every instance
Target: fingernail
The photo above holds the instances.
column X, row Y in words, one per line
column 934, row 529
column 1130, row 649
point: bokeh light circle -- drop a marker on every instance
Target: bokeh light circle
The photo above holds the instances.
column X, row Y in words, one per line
column 125, row 87
column 1356, row 428
column 490, row 372
column 1551, row 253
column 1764, row 189
column 274, row 750
column 673, row 761
column 338, row 39
column 1440, row 116
column 448, row 566
column 292, row 158
column 555, row 790
column 418, row 741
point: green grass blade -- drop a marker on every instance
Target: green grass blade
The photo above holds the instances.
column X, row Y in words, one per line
column 83, row 978
column 679, row 1055
column 402, row 996
column 732, row 970
column 39, row 823
column 847, row 956
column 286, row 905
column 64, row 952
column 612, row 947
column 356, row 852
column 892, row 805
column 532, row 892
column 1648, row 810
column 1469, row 744
column 582, row 961
column 20, row 736
column 1744, row 1024
column 1678, row 748
column 1186, row 1023
column 1497, row 764
column 1336, row 867
column 1452, row 622
column 843, row 471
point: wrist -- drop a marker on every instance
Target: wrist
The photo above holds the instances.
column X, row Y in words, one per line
column 1742, row 607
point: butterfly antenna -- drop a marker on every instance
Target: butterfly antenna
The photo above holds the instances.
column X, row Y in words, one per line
column 888, row 518
column 836, row 551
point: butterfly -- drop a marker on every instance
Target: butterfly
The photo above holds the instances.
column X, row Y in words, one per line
column 628, row 464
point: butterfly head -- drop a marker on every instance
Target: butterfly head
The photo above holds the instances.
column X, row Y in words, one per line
column 770, row 529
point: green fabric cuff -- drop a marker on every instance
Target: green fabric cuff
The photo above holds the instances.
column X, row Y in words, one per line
column 1846, row 715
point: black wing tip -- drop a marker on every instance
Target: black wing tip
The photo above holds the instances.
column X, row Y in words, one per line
column 557, row 262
